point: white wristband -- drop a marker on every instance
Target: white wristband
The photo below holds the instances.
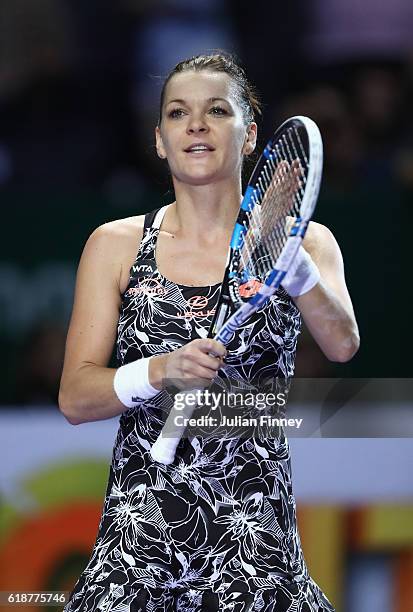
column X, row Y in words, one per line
column 302, row 275
column 131, row 383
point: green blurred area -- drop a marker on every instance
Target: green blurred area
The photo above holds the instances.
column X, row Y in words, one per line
column 42, row 227
column 371, row 225
column 56, row 224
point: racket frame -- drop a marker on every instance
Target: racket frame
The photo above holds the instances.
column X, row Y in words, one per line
column 222, row 326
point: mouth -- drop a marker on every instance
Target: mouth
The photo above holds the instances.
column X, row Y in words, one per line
column 199, row 148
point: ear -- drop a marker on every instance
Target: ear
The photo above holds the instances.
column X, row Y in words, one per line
column 250, row 139
column 159, row 143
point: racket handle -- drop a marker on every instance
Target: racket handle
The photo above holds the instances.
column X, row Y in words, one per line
column 164, row 449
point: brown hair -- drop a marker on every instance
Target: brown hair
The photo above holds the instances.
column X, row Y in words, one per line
column 220, row 62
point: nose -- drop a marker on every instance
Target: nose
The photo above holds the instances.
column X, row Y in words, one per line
column 196, row 124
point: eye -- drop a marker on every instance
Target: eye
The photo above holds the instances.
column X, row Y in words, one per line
column 218, row 110
column 176, row 113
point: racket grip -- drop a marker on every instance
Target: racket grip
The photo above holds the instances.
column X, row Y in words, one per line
column 164, row 448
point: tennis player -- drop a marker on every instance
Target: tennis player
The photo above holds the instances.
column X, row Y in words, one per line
column 215, row 530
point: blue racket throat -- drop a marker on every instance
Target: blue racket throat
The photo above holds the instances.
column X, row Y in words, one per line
column 237, row 236
column 247, row 199
column 267, row 153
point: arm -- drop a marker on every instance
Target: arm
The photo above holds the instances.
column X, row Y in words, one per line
column 327, row 308
column 86, row 387
column 87, row 391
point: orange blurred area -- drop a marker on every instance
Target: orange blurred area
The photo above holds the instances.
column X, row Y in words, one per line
column 35, row 549
column 354, row 509
column 47, row 550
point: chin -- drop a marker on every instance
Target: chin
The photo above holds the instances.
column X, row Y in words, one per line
column 199, row 179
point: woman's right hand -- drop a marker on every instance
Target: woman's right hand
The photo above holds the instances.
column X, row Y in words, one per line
column 194, row 365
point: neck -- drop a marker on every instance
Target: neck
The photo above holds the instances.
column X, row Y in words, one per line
column 202, row 211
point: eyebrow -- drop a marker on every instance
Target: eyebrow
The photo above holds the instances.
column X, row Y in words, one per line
column 214, row 99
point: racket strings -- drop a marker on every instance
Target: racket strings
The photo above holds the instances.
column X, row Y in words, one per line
column 254, row 248
column 276, row 203
column 270, row 183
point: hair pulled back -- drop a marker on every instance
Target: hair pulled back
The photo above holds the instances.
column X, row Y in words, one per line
column 246, row 93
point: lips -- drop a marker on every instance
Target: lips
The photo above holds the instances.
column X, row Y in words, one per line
column 199, row 146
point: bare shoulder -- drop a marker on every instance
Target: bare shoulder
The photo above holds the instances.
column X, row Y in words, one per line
column 120, row 236
column 129, row 228
column 117, row 242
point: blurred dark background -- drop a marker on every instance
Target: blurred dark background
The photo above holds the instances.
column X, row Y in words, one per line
column 79, row 89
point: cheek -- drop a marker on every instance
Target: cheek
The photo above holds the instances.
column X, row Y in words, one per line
column 237, row 144
column 173, row 144
column 240, row 136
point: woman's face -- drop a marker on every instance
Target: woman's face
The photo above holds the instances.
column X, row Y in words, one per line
column 203, row 134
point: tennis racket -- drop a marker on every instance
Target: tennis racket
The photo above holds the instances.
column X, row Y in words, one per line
column 274, row 215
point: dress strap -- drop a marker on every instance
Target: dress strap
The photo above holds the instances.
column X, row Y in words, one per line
column 145, row 258
column 154, row 218
column 159, row 216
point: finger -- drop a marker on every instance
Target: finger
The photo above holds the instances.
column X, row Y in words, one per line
column 199, row 372
column 219, row 350
column 197, row 358
column 208, row 361
column 214, row 347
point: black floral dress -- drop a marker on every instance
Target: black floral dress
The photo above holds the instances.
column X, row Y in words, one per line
column 215, row 530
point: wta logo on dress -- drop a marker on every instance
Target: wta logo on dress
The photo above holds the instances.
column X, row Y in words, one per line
column 143, row 268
